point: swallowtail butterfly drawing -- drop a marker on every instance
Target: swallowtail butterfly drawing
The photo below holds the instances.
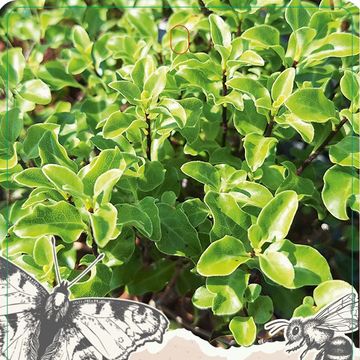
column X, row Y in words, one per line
column 38, row 325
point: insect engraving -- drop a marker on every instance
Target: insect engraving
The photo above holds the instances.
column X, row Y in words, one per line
column 36, row 325
column 323, row 331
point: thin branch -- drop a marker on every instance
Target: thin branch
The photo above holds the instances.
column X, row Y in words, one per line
column 148, row 137
column 204, row 9
column 224, row 110
column 320, row 149
column 170, row 285
column 269, row 128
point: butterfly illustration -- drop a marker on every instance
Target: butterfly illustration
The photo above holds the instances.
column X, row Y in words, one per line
column 322, row 331
column 36, row 325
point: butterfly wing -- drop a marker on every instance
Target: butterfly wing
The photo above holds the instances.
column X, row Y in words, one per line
column 21, row 297
column 109, row 328
column 70, row 344
column 341, row 316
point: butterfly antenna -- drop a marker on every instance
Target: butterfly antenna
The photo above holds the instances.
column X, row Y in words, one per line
column 56, row 264
column 79, row 277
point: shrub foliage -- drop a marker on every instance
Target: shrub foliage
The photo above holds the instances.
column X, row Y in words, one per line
column 220, row 182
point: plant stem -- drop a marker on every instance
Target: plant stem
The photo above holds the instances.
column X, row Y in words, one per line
column 316, row 153
column 224, row 110
column 148, row 137
column 269, row 128
column 203, row 8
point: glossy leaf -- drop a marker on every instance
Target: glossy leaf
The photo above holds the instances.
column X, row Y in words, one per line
column 229, row 292
column 243, row 330
column 275, row 219
column 311, row 105
column 294, row 266
column 60, row 219
column 341, row 186
column 257, row 149
column 222, row 257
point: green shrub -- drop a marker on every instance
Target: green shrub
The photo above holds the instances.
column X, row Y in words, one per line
column 222, row 179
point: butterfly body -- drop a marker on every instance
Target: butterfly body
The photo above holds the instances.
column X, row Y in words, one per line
column 38, row 325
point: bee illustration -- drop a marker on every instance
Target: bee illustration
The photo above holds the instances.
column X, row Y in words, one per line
column 324, row 331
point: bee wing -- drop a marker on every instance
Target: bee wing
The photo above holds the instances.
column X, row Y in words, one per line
column 342, row 315
column 98, row 328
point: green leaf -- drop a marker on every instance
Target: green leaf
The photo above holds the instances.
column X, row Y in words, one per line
column 32, row 177
column 14, row 64
column 200, row 80
column 128, row 90
column 277, row 267
column 346, row 152
column 129, row 214
column 53, row 73
column 11, row 124
column 229, row 219
column 80, row 38
column 63, row 178
column 151, row 278
column 103, row 223
column 249, row 120
column 261, row 309
column 97, row 285
column 331, row 290
column 36, row 91
column 203, row 172
column 254, row 89
column 337, row 44
column 298, row 43
column 175, row 110
column 105, row 183
column 350, row 87
column 243, row 330
column 275, row 219
column 311, row 105
column 178, row 235
column 108, row 159
column 52, row 152
column 252, row 292
column 150, row 175
column 341, row 189
column 220, row 31
column 305, row 129
column 42, row 252
column 294, row 266
column 60, row 219
column 257, row 149
column 119, row 251
column 262, row 36
column 248, row 193
column 229, row 292
column 283, row 86
column 148, row 206
column 222, row 257
column 296, row 15
column 155, row 84
column 195, row 210
column 143, row 68
column 33, row 137
column 203, row 298
column 3, row 228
